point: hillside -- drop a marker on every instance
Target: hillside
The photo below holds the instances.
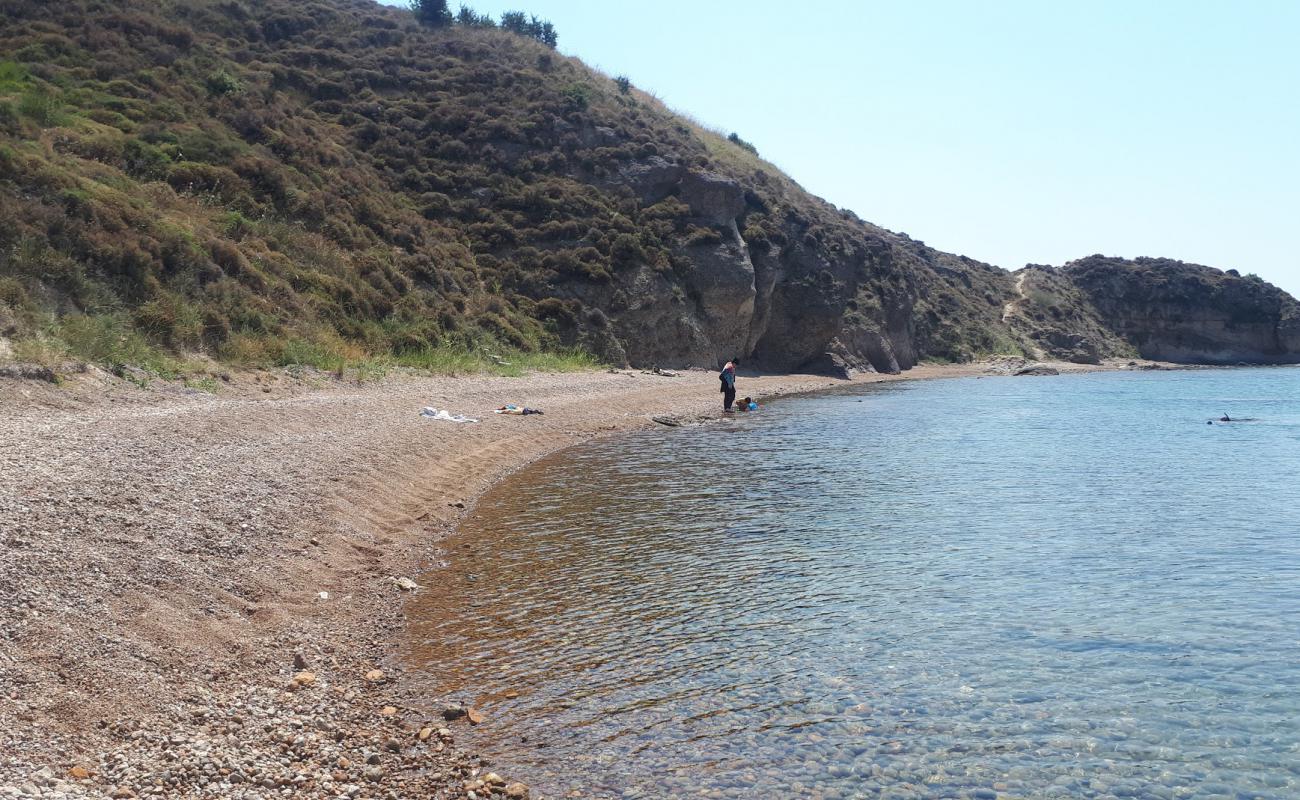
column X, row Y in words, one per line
column 328, row 181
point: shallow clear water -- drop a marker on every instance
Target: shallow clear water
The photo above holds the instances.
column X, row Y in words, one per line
column 1014, row 587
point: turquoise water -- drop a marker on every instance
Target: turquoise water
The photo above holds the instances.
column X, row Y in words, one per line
column 998, row 587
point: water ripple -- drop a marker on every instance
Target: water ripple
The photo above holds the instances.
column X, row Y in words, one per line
column 1052, row 587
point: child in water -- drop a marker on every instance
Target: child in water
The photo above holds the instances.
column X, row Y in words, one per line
column 747, row 404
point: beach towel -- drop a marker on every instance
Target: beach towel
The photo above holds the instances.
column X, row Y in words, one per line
column 429, row 412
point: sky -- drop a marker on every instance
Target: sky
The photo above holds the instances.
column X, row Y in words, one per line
column 1012, row 132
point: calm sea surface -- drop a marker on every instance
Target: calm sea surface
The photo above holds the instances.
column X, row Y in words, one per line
column 997, row 587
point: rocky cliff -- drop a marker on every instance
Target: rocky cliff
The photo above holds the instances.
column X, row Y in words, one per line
column 326, row 180
column 1174, row 311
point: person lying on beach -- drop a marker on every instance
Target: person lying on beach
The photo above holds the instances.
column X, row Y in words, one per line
column 519, row 410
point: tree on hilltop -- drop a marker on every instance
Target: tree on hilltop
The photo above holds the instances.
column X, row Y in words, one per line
column 433, row 13
column 470, row 18
column 515, row 22
column 530, row 26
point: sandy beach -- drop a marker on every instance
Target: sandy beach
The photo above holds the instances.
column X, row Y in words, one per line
column 201, row 591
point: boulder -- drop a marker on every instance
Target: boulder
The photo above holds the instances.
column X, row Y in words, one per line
column 651, row 179
column 1037, row 369
column 712, row 197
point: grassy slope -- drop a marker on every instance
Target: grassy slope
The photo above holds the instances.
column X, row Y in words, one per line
column 327, row 182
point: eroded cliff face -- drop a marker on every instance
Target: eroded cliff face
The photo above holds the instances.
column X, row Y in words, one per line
column 837, row 294
column 1188, row 313
column 785, row 289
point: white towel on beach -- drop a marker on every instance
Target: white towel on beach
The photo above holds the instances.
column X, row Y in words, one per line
column 429, row 412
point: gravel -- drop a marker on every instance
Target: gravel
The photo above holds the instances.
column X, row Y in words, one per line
column 201, row 595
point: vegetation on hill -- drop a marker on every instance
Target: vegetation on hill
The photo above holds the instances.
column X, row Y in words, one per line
column 322, row 180
column 278, row 181
column 333, row 181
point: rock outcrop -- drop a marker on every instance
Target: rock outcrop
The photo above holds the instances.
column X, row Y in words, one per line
column 1188, row 313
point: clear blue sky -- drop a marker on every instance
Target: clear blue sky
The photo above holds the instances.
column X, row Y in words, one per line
column 1010, row 131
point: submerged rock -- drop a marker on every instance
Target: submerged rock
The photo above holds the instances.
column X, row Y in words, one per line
column 453, row 712
column 1037, row 369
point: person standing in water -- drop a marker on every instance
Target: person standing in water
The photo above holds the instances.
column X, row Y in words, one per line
column 728, row 378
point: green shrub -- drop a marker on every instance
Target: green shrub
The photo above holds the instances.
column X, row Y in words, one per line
column 8, row 161
column 170, row 321
column 221, row 83
column 577, row 96
column 111, row 341
column 145, row 161
column 13, row 296
column 623, row 83
column 42, row 107
column 235, row 225
column 306, row 353
column 735, row 139
column 13, row 76
column 9, row 121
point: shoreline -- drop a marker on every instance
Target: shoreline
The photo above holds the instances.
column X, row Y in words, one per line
column 168, row 550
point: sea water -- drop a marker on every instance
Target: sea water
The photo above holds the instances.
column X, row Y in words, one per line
column 999, row 587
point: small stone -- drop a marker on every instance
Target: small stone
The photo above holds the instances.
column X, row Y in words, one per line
column 424, row 734
column 493, row 779
column 304, row 678
column 372, row 758
column 388, row 711
column 475, row 716
column 79, row 773
column 375, row 675
column 393, row 746
column 406, row 584
column 516, row 790
column 299, row 661
column 512, row 694
column 343, row 762
column 374, row 774
column 121, row 793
